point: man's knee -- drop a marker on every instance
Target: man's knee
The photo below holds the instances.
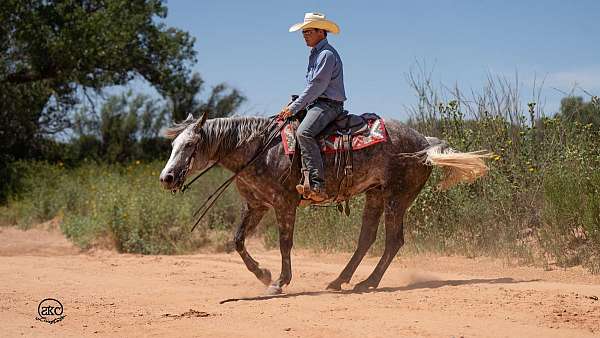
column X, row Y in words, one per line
column 304, row 134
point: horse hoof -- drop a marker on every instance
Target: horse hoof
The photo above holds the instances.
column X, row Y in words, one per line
column 265, row 277
column 334, row 286
column 273, row 290
column 363, row 286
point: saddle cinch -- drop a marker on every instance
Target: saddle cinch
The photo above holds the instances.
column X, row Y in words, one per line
column 348, row 132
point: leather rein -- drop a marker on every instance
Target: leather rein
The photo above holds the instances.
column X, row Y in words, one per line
column 212, row 199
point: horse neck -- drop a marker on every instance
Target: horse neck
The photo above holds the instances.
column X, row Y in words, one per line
column 236, row 140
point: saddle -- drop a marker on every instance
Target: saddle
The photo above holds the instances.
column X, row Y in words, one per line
column 348, row 124
column 347, row 133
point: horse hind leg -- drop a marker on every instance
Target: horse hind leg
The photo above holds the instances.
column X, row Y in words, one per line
column 251, row 216
column 370, row 222
column 395, row 206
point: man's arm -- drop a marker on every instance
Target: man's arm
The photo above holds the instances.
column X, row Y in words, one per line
column 320, row 81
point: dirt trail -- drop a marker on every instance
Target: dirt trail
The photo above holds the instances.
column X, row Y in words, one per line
column 122, row 295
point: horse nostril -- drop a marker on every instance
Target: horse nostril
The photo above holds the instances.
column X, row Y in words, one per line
column 168, row 178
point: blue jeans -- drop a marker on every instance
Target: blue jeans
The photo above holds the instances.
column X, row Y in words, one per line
column 318, row 116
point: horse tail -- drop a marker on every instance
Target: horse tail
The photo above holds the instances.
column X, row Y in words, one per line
column 457, row 167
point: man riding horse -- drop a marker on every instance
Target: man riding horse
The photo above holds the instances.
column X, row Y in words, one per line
column 323, row 98
column 390, row 174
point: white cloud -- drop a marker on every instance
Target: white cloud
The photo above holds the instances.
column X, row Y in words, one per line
column 588, row 79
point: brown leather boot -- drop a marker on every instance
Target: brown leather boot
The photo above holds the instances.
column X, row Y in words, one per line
column 317, row 194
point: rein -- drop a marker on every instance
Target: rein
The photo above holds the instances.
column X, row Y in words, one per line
column 187, row 185
column 212, row 199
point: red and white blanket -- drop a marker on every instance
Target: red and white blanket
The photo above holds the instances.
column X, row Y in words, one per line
column 329, row 145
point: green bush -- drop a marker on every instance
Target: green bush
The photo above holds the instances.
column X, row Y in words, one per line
column 124, row 204
column 540, row 200
column 572, row 217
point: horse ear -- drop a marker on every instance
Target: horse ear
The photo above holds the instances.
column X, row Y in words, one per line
column 189, row 117
column 200, row 123
column 204, row 117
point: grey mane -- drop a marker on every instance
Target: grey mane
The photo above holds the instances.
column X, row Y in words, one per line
column 224, row 134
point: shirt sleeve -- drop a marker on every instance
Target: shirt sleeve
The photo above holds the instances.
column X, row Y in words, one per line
column 317, row 85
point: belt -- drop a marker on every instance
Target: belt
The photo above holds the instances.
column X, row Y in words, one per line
column 328, row 100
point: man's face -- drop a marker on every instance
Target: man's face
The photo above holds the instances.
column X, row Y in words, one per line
column 313, row 36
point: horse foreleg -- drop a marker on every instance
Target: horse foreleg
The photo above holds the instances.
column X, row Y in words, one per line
column 286, row 217
column 370, row 222
column 251, row 216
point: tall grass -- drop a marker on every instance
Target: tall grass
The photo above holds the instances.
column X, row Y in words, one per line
column 119, row 204
column 541, row 199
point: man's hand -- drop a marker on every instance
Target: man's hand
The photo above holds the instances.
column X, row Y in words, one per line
column 284, row 114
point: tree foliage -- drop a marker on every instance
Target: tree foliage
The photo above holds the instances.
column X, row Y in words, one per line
column 52, row 52
column 93, row 43
column 186, row 99
column 128, row 125
column 50, row 49
column 127, row 128
column 575, row 108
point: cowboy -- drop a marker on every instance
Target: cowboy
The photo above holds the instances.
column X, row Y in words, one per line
column 323, row 98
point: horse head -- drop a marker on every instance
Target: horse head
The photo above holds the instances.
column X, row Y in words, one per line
column 186, row 154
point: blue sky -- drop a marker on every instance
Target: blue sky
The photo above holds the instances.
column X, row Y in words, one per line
column 246, row 44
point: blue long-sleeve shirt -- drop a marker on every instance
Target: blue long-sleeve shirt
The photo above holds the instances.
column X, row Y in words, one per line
column 324, row 77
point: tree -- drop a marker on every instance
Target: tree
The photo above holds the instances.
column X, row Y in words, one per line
column 575, row 109
column 52, row 52
column 59, row 46
column 185, row 99
column 52, row 49
column 126, row 123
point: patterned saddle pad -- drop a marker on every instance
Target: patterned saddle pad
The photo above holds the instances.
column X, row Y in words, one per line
column 374, row 133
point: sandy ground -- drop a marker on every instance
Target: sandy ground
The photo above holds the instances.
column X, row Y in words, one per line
column 123, row 295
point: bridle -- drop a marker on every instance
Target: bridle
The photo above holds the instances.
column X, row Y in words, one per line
column 211, row 200
column 185, row 186
column 184, row 172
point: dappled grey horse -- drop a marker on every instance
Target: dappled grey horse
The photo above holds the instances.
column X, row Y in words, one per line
column 391, row 174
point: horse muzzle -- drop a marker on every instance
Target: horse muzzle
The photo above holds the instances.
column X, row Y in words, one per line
column 169, row 181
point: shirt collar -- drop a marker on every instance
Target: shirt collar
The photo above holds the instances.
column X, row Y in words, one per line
column 319, row 46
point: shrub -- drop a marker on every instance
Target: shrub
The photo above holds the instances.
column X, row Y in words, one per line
column 121, row 202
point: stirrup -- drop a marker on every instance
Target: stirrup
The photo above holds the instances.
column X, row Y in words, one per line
column 304, row 188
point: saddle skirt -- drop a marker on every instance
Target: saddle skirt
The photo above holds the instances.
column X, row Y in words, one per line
column 366, row 130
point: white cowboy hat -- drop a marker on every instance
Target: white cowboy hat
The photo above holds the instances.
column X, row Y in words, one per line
column 316, row 20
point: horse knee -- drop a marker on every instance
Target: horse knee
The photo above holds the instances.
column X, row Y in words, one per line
column 239, row 244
